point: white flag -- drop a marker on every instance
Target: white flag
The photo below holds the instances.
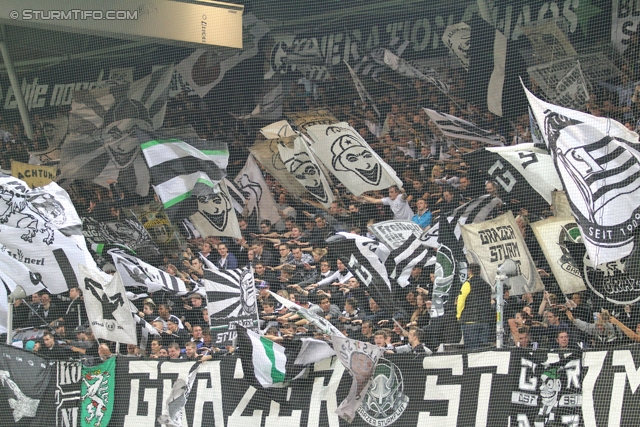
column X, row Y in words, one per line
column 260, row 200
column 350, row 158
column 107, row 307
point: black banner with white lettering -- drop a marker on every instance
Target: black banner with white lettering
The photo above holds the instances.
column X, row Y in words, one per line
column 485, row 388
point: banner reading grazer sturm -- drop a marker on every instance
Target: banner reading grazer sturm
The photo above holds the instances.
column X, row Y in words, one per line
column 599, row 166
column 553, row 235
column 491, row 242
column 482, row 388
column 97, row 393
column 350, row 159
column 34, row 175
column 231, row 300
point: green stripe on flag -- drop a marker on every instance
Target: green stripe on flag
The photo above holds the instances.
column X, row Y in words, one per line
column 216, row 152
column 157, row 142
column 99, row 248
column 186, row 195
column 276, row 375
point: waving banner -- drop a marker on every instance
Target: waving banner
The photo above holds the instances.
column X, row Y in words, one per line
column 350, row 158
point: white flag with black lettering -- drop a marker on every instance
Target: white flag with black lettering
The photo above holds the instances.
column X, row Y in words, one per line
column 490, row 243
column 599, row 164
column 107, row 307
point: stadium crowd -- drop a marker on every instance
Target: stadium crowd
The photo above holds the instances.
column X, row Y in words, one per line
column 290, row 257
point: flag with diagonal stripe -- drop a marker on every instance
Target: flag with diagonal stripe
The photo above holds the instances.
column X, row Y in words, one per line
column 455, row 127
column 599, row 165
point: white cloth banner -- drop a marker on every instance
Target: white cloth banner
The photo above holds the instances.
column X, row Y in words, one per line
column 217, row 217
column 257, row 193
column 552, row 234
column 304, row 168
column 107, row 307
column 491, row 242
column 350, row 159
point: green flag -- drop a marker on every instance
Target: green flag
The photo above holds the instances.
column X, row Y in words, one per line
column 98, row 383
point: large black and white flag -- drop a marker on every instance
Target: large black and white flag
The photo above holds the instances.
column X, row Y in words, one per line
column 103, row 145
column 235, row 195
column 232, row 300
column 409, row 69
column 525, row 173
column 128, row 232
column 350, row 159
column 599, row 166
column 365, row 258
column 259, row 200
column 136, row 273
column 30, row 233
column 107, row 307
column 217, row 216
column 182, row 173
column 494, row 67
column 304, row 168
column 455, row 127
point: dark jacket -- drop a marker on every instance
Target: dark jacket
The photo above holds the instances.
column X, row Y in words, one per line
column 477, row 306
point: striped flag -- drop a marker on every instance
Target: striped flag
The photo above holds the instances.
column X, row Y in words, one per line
column 232, row 300
column 236, row 195
column 599, row 166
column 263, row 358
column 102, row 144
column 182, row 172
column 455, row 127
column 137, row 273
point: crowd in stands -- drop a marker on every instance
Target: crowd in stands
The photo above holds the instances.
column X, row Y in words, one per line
column 289, row 257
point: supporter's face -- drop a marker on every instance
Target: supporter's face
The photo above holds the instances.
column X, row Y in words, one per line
column 421, row 205
column 174, row 353
column 489, row 188
column 413, row 340
column 195, row 263
column 448, row 196
column 196, row 302
column 222, row 250
column 464, row 183
column 190, row 351
column 172, row 326
column 324, row 267
column 373, row 305
column 196, row 332
column 163, row 353
column 320, row 222
column 524, row 340
column 379, row 340
column 295, row 232
column 297, row 254
column 259, row 269
column 420, row 301
column 48, row 341
column 366, row 328
column 393, row 193
column 74, row 293
column 576, row 299
column 284, row 251
column 163, row 311
column 340, row 265
column 155, row 346
column 45, row 299
column 563, row 340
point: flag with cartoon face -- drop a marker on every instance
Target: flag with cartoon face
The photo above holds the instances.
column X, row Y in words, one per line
column 350, row 159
